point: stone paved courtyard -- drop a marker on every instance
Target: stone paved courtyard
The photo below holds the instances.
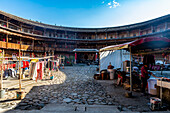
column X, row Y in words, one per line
column 73, row 85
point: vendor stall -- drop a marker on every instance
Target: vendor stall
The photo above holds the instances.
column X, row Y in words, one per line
column 142, row 46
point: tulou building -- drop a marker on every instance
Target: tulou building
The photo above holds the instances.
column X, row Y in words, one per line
column 37, row 39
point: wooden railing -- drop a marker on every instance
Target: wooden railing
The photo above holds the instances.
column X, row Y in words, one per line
column 13, row 46
column 2, row 44
column 30, row 48
column 39, row 48
column 63, row 49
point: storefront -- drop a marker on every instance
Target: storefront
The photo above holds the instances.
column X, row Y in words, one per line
column 86, row 56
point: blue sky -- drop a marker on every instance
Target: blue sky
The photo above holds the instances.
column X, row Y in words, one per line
column 87, row 13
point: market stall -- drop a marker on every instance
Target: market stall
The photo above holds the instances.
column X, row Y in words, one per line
column 142, row 46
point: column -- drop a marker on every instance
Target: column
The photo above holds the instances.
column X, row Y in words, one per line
column 96, row 57
column 7, row 24
column 6, row 40
column 151, row 29
column 106, row 36
column 116, row 35
column 75, row 35
column 44, row 32
column 139, row 32
column 166, row 26
column 66, row 34
column 96, row 35
column 128, row 35
column 32, row 48
column 21, row 27
column 33, row 30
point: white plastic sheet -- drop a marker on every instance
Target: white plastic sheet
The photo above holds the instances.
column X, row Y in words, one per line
column 115, row 57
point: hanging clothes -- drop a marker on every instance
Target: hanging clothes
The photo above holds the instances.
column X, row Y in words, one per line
column 33, row 71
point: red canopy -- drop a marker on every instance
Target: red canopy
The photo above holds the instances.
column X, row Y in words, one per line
column 148, row 44
column 149, row 39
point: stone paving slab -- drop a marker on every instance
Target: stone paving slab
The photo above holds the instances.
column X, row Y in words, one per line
column 55, row 108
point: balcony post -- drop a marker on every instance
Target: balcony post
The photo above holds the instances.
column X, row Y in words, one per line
column 75, row 35
column 166, row 26
column 7, row 24
column 7, row 41
column 96, row 35
column 117, row 36
column 139, row 32
column 128, row 34
column 33, row 48
column 44, row 32
column 106, row 36
column 21, row 27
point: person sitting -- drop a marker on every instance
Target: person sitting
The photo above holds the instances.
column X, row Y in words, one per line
column 110, row 66
column 121, row 78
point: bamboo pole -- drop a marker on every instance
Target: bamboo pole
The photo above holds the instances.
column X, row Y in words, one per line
column 2, row 69
column 130, row 69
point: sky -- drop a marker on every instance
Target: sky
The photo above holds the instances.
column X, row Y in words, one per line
column 87, row 13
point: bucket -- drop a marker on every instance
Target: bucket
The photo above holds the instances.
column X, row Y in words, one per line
column 2, row 93
column 151, row 86
column 112, row 73
column 51, row 77
column 20, row 95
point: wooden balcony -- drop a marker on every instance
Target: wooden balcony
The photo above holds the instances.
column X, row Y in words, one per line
column 2, row 44
column 63, row 49
column 13, row 46
column 24, row 47
column 39, row 48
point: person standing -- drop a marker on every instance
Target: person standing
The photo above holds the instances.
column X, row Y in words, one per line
column 144, row 78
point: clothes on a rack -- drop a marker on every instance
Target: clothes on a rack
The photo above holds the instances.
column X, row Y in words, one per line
column 36, row 70
column 9, row 73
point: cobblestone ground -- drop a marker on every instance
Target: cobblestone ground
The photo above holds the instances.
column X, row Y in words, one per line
column 72, row 85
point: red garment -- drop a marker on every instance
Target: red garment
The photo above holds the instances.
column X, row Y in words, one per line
column 110, row 67
column 144, row 72
column 119, row 76
column 13, row 65
column 24, row 64
column 27, row 63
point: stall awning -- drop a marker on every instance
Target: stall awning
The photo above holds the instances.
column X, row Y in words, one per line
column 148, row 44
column 85, row 50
